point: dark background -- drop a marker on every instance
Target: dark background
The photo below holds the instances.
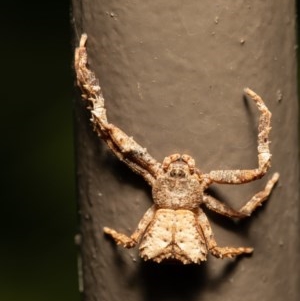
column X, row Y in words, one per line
column 38, row 212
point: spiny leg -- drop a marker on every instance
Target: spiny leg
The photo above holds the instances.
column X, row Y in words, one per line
column 220, row 252
column 124, row 147
column 230, row 252
column 120, row 238
column 264, row 155
column 130, row 242
column 256, row 201
column 260, row 197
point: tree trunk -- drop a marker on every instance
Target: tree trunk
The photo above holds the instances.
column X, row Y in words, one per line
column 172, row 74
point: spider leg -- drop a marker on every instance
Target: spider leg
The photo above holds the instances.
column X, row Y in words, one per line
column 219, row 252
column 229, row 252
column 124, row 147
column 130, row 242
column 264, row 155
column 256, row 201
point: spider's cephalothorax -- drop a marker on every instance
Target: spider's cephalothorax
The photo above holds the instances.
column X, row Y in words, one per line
column 178, row 185
column 175, row 227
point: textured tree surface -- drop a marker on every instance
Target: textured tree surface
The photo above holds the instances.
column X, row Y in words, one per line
column 173, row 74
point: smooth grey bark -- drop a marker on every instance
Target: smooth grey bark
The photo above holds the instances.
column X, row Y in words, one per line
column 173, row 74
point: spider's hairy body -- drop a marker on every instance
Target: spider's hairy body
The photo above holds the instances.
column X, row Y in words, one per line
column 175, row 227
column 177, row 189
column 174, row 234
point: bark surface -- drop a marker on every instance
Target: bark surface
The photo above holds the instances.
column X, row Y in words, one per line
column 172, row 74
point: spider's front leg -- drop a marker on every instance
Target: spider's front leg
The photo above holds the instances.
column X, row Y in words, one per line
column 264, row 155
column 124, row 147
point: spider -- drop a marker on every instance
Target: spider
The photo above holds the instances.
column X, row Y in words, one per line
column 175, row 227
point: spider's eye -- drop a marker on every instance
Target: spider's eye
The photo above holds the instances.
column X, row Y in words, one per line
column 180, row 174
column 173, row 173
column 177, row 173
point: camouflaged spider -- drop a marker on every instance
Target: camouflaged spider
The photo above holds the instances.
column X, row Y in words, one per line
column 175, row 227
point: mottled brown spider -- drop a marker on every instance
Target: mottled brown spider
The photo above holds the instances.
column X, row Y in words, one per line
column 175, row 227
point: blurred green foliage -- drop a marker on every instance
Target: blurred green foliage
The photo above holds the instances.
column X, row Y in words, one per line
column 38, row 212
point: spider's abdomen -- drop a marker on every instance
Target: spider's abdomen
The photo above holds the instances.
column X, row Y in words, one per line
column 174, row 234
